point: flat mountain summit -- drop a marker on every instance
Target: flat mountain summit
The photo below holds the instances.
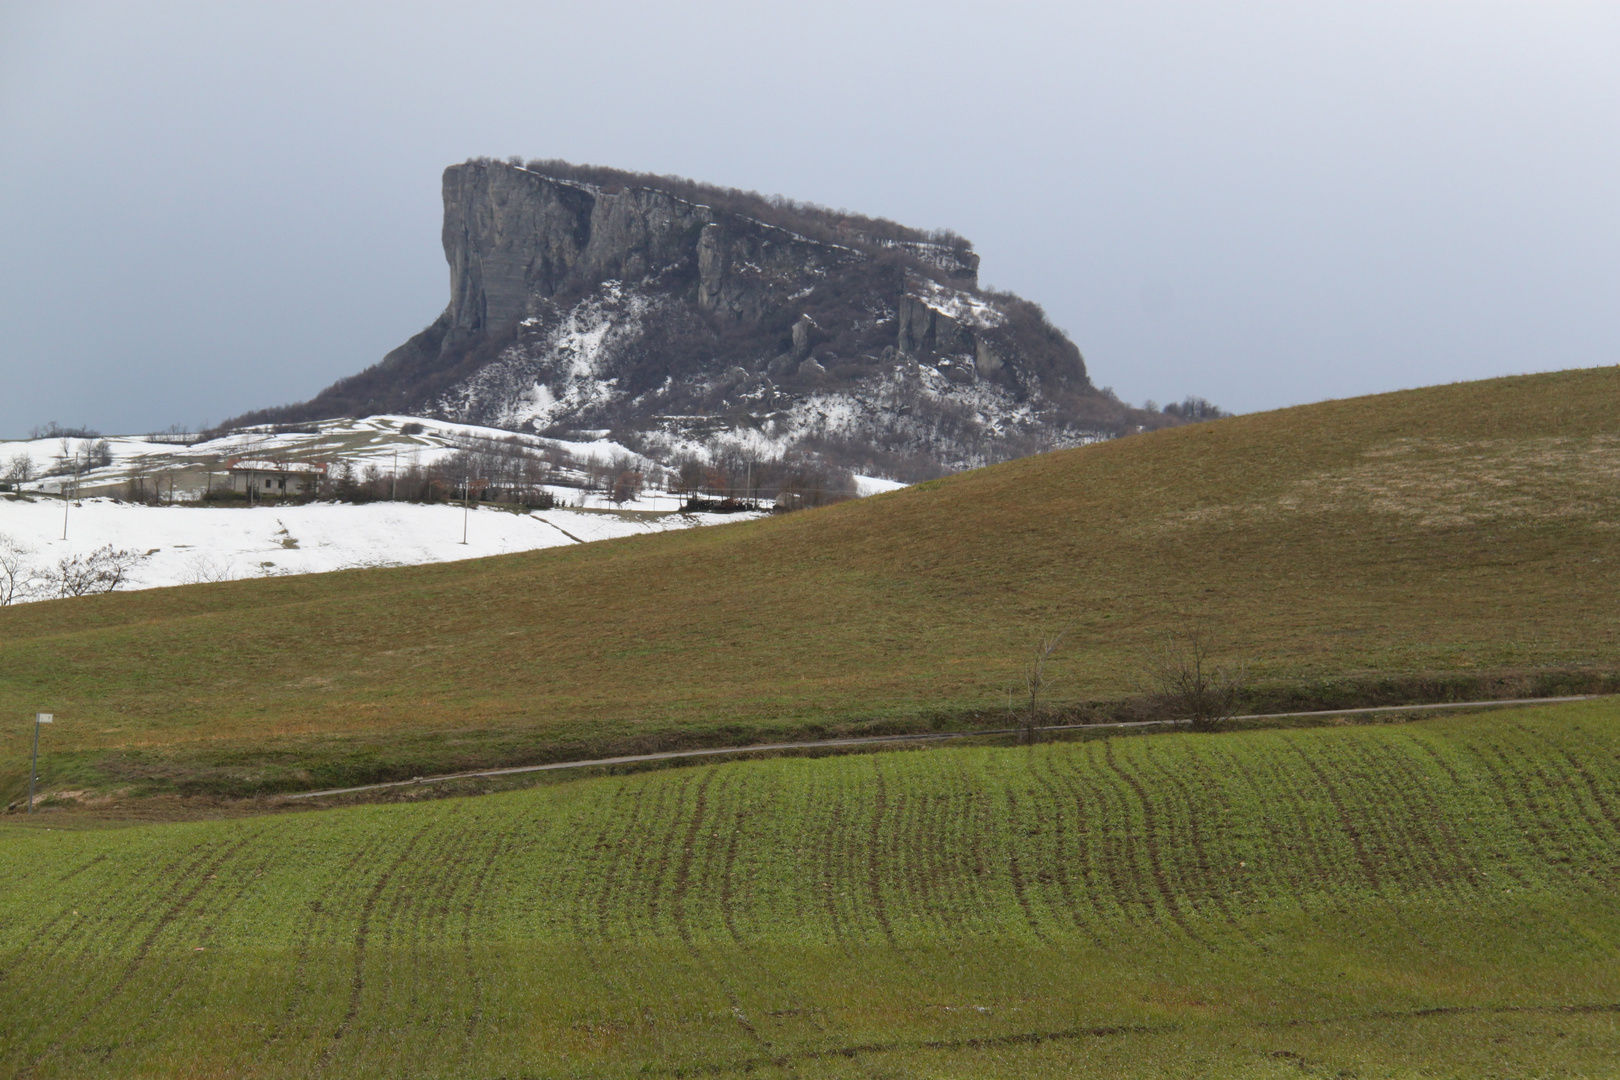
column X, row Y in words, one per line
column 682, row 317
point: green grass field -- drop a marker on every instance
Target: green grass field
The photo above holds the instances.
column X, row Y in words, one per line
column 1463, row 530
column 1425, row 899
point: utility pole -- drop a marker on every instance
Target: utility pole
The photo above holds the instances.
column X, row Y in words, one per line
column 393, row 494
column 466, row 506
column 67, row 498
column 33, row 762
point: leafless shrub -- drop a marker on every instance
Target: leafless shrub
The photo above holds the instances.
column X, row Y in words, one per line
column 627, row 485
column 202, row 569
column 101, row 571
column 1190, row 684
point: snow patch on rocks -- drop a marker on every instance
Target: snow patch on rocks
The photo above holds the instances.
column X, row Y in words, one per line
column 964, row 307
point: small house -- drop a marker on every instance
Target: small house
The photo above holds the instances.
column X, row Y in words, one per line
column 274, row 479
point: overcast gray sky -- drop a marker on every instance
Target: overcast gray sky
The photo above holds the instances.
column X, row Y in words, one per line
column 211, row 207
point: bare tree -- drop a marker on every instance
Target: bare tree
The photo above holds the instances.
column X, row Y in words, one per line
column 1188, row 681
column 202, row 569
column 17, row 576
column 1037, row 678
column 20, row 469
column 67, row 459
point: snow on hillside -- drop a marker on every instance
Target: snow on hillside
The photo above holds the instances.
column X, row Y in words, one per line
column 391, row 445
column 875, row 485
column 190, row 544
column 387, row 443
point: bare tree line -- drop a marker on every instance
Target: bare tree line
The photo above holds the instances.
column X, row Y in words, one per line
column 515, row 470
column 70, row 460
column 789, row 481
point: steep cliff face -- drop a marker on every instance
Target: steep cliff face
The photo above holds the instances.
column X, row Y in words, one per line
column 678, row 316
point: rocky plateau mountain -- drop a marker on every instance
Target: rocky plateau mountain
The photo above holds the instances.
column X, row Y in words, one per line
column 684, row 318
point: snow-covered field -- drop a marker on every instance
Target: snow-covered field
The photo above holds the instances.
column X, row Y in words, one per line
column 189, row 544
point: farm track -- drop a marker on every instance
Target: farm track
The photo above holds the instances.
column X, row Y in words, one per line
column 791, row 911
column 921, row 737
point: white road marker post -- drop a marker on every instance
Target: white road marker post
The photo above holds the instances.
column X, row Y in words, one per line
column 33, row 762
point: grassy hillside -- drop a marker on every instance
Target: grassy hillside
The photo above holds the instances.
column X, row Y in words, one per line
column 1465, row 528
column 1433, row 899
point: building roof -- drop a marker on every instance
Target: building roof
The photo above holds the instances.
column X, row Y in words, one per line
column 266, row 465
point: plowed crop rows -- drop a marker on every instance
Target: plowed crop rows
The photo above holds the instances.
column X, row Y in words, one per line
column 1024, row 909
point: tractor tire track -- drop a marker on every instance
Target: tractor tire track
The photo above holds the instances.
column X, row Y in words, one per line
column 874, row 849
column 1088, row 847
column 683, row 877
column 1152, row 830
column 314, row 911
column 1594, row 809
column 1606, row 809
column 1459, row 784
column 1446, row 849
column 477, row 894
column 1396, row 804
column 1198, row 842
column 1061, row 845
column 1348, row 823
column 154, row 1008
column 1519, row 801
column 728, row 890
column 1116, row 848
column 852, row 1052
column 173, row 910
column 605, row 894
column 357, row 982
column 825, row 887
column 1015, row 872
column 673, row 798
column 1277, row 858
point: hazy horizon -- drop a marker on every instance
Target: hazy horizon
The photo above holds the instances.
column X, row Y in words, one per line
column 212, row 209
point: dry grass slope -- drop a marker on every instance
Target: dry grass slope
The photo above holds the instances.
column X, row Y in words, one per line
column 1433, row 899
column 1458, row 528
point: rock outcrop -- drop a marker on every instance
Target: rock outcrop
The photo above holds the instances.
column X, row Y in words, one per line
column 679, row 316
